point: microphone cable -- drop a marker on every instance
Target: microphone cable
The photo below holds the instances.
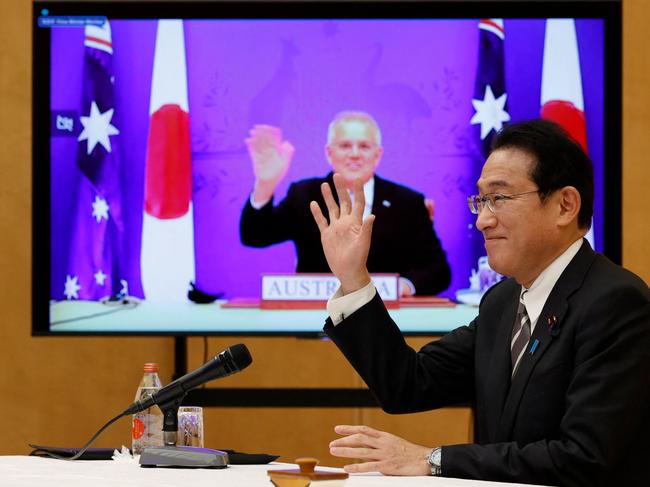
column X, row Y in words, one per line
column 86, row 446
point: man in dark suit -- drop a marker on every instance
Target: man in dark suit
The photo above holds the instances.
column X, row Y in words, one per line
column 557, row 362
column 404, row 240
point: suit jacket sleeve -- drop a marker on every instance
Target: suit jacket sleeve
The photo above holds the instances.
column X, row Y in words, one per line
column 402, row 380
column 603, row 433
column 268, row 225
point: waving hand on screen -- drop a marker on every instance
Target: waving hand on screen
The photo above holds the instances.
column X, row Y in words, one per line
column 271, row 158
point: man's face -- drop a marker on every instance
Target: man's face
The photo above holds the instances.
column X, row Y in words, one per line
column 354, row 152
column 521, row 237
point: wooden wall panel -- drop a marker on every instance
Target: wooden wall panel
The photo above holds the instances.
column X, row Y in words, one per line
column 281, row 362
column 636, row 134
column 49, row 385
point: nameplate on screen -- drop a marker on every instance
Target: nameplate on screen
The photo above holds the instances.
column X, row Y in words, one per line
column 319, row 287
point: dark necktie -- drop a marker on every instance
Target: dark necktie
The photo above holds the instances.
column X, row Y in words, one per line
column 520, row 335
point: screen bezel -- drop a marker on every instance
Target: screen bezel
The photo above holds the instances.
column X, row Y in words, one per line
column 608, row 10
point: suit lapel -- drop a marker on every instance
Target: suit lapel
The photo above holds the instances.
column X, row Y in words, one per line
column 547, row 331
column 539, row 343
column 380, row 199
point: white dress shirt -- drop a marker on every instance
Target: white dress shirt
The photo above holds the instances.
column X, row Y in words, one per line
column 536, row 295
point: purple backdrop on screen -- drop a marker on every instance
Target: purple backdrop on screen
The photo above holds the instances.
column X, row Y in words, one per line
column 415, row 76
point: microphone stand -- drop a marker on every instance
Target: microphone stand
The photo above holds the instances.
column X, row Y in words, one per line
column 171, row 455
column 170, row 423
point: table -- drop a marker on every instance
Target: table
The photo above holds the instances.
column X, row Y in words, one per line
column 23, row 471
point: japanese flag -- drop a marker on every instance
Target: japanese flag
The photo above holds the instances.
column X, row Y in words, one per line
column 167, row 257
column 561, row 99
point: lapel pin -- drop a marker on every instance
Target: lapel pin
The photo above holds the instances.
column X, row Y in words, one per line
column 553, row 326
column 386, row 203
column 534, row 346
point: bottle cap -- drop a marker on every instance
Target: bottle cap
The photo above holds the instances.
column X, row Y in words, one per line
column 151, row 367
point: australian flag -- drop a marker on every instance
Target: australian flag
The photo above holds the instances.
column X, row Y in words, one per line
column 490, row 113
column 490, row 97
column 96, row 243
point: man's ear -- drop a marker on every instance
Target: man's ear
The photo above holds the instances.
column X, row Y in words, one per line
column 569, row 203
column 380, row 152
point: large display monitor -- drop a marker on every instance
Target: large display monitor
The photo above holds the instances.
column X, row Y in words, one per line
column 119, row 235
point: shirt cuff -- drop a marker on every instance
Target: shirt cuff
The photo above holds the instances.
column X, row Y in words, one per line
column 258, row 205
column 339, row 306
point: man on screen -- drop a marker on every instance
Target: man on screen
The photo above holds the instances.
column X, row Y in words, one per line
column 404, row 240
column 557, row 362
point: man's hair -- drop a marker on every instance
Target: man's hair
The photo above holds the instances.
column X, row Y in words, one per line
column 559, row 161
column 349, row 116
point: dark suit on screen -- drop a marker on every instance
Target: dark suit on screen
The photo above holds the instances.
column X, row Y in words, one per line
column 403, row 238
column 577, row 412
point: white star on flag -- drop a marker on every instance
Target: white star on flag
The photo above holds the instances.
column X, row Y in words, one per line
column 97, row 128
column 71, row 287
column 100, row 277
column 100, row 209
column 489, row 112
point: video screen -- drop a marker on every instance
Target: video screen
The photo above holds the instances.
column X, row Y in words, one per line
column 150, row 168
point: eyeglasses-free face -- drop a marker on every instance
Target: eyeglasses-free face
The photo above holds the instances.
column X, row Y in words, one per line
column 354, row 152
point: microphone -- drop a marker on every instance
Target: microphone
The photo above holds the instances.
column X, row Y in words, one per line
column 228, row 362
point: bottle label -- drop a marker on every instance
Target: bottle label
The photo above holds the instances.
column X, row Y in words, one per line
column 138, row 429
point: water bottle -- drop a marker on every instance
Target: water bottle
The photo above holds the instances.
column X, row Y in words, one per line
column 147, row 425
